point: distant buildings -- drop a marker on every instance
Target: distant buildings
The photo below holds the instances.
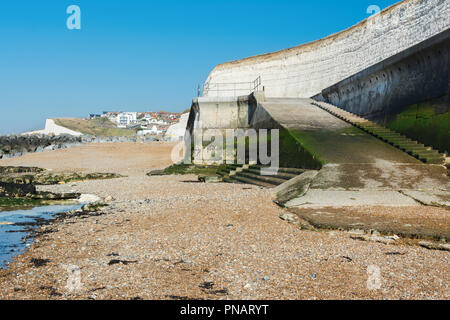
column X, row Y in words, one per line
column 125, row 119
column 145, row 123
column 153, row 131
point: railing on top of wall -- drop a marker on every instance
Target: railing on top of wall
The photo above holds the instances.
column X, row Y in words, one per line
column 233, row 89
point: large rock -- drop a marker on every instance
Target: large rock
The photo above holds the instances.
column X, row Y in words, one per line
column 16, row 190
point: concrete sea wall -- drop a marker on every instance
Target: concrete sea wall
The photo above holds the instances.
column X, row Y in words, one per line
column 221, row 113
column 408, row 92
column 306, row 70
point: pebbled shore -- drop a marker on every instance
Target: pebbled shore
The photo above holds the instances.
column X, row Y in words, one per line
column 170, row 237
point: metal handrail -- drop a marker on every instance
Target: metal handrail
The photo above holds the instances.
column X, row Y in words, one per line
column 232, row 87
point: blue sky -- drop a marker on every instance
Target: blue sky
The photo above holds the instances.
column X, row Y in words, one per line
column 141, row 54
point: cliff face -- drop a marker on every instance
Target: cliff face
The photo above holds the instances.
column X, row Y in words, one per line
column 305, row 70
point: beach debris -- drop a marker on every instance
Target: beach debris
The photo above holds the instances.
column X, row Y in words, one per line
column 116, row 261
column 88, row 198
column 39, row 262
column 288, row 217
column 109, row 199
column 207, row 285
column 373, row 236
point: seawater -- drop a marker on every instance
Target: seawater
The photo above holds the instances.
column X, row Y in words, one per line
column 15, row 227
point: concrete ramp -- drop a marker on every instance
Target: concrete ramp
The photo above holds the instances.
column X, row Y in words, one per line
column 328, row 138
column 356, row 167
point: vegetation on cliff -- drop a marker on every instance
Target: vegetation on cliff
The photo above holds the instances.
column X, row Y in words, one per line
column 100, row 127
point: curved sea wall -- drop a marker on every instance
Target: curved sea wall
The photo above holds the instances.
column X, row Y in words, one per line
column 408, row 92
column 306, row 70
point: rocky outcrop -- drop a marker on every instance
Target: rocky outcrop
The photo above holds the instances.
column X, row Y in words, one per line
column 17, row 145
column 38, row 176
column 16, row 190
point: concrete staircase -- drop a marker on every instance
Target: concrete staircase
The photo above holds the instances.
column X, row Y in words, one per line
column 413, row 148
column 251, row 174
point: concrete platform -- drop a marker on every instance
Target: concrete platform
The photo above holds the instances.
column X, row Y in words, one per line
column 332, row 198
column 358, row 169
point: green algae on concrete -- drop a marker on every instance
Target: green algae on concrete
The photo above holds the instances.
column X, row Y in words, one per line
column 296, row 153
column 327, row 138
column 424, row 123
column 347, row 145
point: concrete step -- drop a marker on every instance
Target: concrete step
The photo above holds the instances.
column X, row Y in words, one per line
column 431, row 160
column 233, row 166
column 387, row 134
column 229, row 180
column 434, row 160
column 266, row 179
column 429, row 153
column 408, row 142
column 281, row 175
column 223, row 173
column 410, row 150
column 295, row 171
column 426, row 151
column 409, row 146
column 241, row 179
column 420, row 151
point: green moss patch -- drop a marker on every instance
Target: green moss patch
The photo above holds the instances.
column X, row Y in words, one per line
column 423, row 122
column 295, row 151
column 10, row 204
column 72, row 177
column 184, row 169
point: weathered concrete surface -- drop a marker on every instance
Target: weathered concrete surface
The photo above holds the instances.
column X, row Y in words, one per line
column 220, row 113
column 330, row 139
column 408, row 222
column 382, row 175
column 331, row 198
column 294, row 188
column 304, row 71
column 358, row 169
column 417, row 74
column 431, row 198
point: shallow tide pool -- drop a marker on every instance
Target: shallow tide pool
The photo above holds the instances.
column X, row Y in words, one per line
column 15, row 227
